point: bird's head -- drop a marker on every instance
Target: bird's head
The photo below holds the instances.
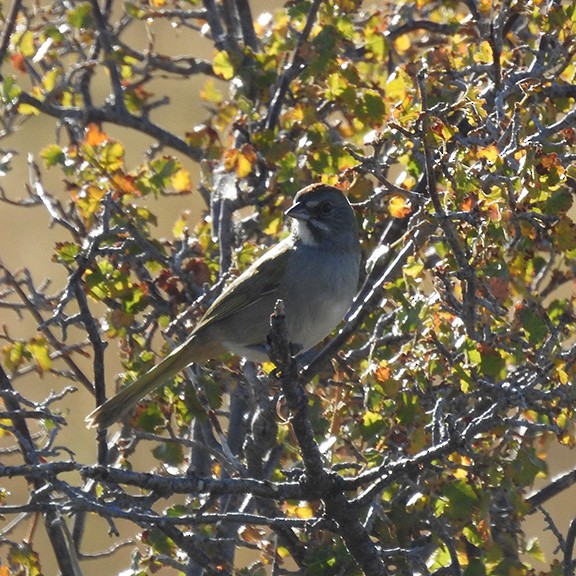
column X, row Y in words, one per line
column 323, row 217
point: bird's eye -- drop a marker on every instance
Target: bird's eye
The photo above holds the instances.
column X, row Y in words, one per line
column 325, row 208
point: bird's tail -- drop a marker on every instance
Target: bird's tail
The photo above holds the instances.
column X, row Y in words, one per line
column 114, row 408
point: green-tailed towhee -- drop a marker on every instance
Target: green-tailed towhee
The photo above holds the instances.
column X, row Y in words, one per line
column 315, row 273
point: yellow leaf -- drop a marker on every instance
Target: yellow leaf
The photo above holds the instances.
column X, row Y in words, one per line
column 181, row 181
column 562, row 376
column 112, row 157
column 485, row 54
column 402, row 43
column 243, row 166
column 181, row 225
column 241, row 161
column 274, row 226
column 26, row 44
column 304, row 511
column 412, row 268
column 28, row 110
column 14, row 355
column 298, row 510
column 210, row 93
column 49, row 79
column 398, row 86
column 222, row 66
column 38, row 347
column 490, row 153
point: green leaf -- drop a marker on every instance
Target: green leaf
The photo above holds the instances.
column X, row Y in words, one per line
column 372, row 424
column 53, row 155
column 133, row 10
column 564, row 235
column 487, row 359
column 492, row 362
column 150, row 418
column 81, row 16
column 159, row 541
column 9, row 91
column 475, row 568
column 534, row 324
column 560, row 202
column 376, row 45
column 459, row 500
column 527, row 466
column 169, row 452
column 372, row 106
column 162, row 171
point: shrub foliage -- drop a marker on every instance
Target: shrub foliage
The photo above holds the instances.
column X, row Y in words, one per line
column 412, row 440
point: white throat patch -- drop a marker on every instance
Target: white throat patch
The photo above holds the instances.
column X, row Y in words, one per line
column 303, row 232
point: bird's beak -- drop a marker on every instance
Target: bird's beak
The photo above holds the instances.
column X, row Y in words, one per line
column 298, row 211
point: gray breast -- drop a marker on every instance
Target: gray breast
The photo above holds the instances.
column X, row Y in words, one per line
column 319, row 301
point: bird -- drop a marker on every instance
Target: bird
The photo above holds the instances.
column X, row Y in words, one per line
column 314, row 271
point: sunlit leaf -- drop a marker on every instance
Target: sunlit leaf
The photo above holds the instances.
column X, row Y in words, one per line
column 211, row 93
column 124, row 183
column 222, row 65
column 399, row 206
column 24, row 556
column 38, row 347
column 490, row 153
column 182, row 181
column 80, row 16
column 161, row 543
column 94, row 136
column 52, row 155
column 28, row 110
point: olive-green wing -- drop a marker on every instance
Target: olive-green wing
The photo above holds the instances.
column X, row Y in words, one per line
column 261, row 279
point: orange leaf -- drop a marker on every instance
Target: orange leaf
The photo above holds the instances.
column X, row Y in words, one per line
column 251, row 534
column 399, row 206
column 231, row 158
column 382, row 373
column 494, row 212
column 469, row 203
column 18, row 61
column 249, row 152
column 550, row 160
column 94, row 136
column 124, row 183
